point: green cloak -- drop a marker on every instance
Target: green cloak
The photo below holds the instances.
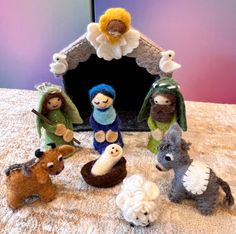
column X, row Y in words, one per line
column 163, row 86
column 67, row 116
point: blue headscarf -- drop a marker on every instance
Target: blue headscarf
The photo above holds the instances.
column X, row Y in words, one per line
column 102, row 88
column 108, row 115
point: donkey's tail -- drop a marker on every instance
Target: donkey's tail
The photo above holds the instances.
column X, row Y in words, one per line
column 229, row 199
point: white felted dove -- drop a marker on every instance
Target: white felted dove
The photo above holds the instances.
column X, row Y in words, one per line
column 166, row 63
column 59, row 65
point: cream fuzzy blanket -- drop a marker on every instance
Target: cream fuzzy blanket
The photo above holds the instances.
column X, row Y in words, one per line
column 79, row 208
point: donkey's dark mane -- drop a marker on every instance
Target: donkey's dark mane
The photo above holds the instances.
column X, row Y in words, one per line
column 185, row 146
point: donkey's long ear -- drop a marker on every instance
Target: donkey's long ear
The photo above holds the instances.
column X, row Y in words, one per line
column 174, row 134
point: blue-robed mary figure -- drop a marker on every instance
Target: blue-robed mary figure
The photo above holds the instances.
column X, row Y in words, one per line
column 104, row 120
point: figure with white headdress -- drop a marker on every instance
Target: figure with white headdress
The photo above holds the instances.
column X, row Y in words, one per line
column 162, row 106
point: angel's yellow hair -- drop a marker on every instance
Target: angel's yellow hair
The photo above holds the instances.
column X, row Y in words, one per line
column 114, row 14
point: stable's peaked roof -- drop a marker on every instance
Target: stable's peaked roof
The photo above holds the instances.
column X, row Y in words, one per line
column 147, row 54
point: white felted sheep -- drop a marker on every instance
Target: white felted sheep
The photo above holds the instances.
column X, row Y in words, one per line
column 138, row 200
column 112, row 154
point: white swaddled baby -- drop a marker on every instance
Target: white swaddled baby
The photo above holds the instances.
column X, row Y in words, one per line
column 112, row 154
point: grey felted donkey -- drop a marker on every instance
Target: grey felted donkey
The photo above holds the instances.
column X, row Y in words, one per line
column 193, row 179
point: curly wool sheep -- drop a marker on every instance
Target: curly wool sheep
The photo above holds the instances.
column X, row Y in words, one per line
column 138, row 200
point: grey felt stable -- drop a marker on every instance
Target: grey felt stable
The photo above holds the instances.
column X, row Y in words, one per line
column 192, row 180
column 133, row 73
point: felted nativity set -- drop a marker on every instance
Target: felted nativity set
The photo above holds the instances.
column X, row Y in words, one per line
column 114, row 53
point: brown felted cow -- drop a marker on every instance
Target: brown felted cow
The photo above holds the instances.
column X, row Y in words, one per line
column 32, row 178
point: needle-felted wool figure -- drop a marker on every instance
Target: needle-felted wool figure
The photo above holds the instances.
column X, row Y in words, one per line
column 163, row 106
column 104, row 120
column 193, row 179
column 59, row 65
column 166, row 63
column 58, row 108
column 112, row 37
column 106, row 171
column 111, row 155
column 32, row 178
column 138, row 200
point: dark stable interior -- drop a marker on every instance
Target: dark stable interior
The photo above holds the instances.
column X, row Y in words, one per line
column 130, row 82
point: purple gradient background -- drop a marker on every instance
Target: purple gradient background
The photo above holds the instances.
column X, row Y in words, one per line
column 31, row 32
column 203, row 34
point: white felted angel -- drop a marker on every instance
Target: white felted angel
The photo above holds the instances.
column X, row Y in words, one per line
column 112, row 37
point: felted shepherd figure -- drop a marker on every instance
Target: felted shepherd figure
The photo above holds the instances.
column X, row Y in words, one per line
column 193, row 179
column 56, row 106
column 104, row 120
column 162, row 106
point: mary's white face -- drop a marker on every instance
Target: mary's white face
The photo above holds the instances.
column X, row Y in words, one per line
column 54, row 103
column 102, row 101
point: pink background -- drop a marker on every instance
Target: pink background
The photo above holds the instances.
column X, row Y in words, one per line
column 31, row 32
column 203, row 35
column 202, row 32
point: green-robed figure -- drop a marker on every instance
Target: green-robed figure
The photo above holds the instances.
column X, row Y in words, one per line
column 162, row 106
column 58, row 108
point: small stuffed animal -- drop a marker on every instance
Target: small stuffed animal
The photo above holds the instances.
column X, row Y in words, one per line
column 104, row 120
column 112, row 154
column 193, row 179
column 59, row 65
column 162, row 106
column 138, row 200
column 112, row 37
column 166, row 63
column 58, row 108
column 32, row 178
